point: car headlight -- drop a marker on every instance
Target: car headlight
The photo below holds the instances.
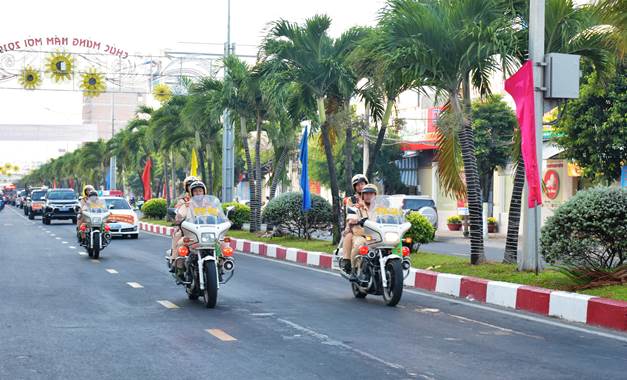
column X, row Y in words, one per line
column 207, row 237
column 391, row 237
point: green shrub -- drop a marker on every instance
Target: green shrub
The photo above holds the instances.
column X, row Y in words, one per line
column 588, row 231
column 455, row 219
column 155, row 208
column 285, row 212
column 239, row 216
column 421, row 230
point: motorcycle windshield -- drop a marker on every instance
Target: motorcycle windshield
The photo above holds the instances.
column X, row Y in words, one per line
column 96, row 206
column 386, row 211
column 205, row 209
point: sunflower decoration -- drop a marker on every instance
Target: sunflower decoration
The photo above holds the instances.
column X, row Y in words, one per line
column 162, row 92
column 29, row 78
column 60, row 66
column 92, row 83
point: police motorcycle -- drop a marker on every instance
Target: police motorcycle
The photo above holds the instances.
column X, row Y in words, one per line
column 207, row 264
column 93, row 233
column 383, row 262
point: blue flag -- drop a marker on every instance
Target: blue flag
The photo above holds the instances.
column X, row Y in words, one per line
column 108, row 180
column 304, row 175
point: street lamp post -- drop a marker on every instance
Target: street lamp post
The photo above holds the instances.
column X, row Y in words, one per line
column 530, row 258
column 228, row 157
column 113, row 160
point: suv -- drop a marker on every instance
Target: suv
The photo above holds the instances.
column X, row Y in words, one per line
column 36, row 203
column 424, row 205
column 60, row 204
column 21, row 199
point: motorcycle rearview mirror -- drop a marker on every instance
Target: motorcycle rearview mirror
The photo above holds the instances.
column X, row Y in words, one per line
column 229, row 211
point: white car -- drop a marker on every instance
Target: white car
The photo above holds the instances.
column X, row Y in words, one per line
column 123, row 221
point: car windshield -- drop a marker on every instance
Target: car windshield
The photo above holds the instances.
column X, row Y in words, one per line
column 118, row 204
column 38, row 195
column 416, row 203
column 385, row 211
column 61, row 195
column 205, row 209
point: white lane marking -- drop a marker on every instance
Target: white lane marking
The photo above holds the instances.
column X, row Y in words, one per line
column 621, row 338
column 134, row 285
column 503, row 329
column 221, row 335
column 112, row 271
column 58, row 238
column 53, row 235
column 262, row 314
column 7, row 224
column 72, row 247
column 64, row 242
column 167, row 304
column 427, row 310
column 95, row 261
column 83, row 253
column 331, row 342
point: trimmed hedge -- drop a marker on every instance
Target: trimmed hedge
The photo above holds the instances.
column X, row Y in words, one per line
column 155, row 208
column 588, row 231
column 421, row 230
column 285, row 212
column 239, row 216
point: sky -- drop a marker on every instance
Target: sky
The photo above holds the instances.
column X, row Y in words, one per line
column 146, row 26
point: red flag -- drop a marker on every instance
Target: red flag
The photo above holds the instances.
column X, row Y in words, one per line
column 520, row 86
column 72, row 183
column 54, row 183
column 146, row 180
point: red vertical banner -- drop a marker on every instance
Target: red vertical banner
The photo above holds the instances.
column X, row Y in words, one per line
column 521, row 87
column 146, row 180
column 71, row 182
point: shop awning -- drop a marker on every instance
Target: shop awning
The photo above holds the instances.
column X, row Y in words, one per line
column 418, row 146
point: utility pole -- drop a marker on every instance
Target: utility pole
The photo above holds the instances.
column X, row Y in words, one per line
column 113, row 160
column 228, row 156
column 366, row 159
column 530, row 258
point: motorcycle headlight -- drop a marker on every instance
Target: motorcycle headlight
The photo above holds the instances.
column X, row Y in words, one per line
column 96, row 220
column 391, row 237
column 207, row 237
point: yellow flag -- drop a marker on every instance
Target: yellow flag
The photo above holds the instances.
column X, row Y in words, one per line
column 194, row 167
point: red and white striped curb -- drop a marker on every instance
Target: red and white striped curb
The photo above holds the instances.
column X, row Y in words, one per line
column 564, row 305
column 156, row 229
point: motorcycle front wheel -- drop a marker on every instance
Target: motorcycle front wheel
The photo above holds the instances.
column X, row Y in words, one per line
column 394, row 275
column 210, row 294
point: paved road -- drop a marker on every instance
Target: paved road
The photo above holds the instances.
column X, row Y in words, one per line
column 459, row 246
column 64, row 316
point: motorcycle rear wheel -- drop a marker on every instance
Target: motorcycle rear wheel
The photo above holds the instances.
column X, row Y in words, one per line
column 394, row 275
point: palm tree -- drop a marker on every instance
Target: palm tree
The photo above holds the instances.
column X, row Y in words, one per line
column 452, row 45
column 307, row 55
column 386, row 78
column 94, row 158
column 568, row 29
column 165, row 129
column 201, row 115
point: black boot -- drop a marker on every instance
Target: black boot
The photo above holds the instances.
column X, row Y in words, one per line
column 346, row 266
